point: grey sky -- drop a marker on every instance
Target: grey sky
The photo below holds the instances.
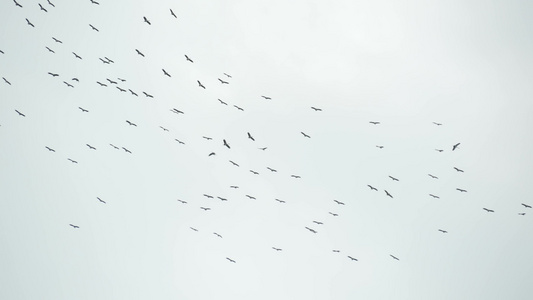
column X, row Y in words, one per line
column 403, row 63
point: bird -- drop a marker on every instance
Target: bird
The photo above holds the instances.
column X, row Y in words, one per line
column 113, row 146
column 455, row 146
column 184, row 202
column 458, row 170
column 217, row 234
column 234, row 187
column 131, row 124
column 211, row 154
column 227, row 75
column 111, row 81
column 20, row 114
column 42, row 8
column 188, row 59
column 230, row 259
column 51, row 3
column 388, row 194
column 433, row 176
column 440, row 150
column 334, row 214
column 461, row 190
column 103, row 61
column 443, row 231
column 208, row 196
column 256, row 173
column 222, row 102
column 100, row 200
column 296, row 176
column 179, row 141
column 101, row 84
column 205, row 208
column 2, row 52
column 29, row 23
column 68, row 84
column 488, row 210
column 172, row 13
column 146, row 21
column 336, row 251
column 50, row 149
column 251, row 137
column 380, row 147
column 76, row 55
column 193, row 228
column 109, row 60
column 374, row 122
column 310, row 229
column 251, row 197
column 123, row 80
column 522, row 214
column 74, row 226
column 90, row 147
column 305, row 135
column 165, row 72
column 316, row 109
column 200, row 84
column 266, row 97
column 394, row 179
column 17, row 4
column 57, row 41
column 164, row 129
column 128, row 151
column 222, row 199
column 272, row 170
column 352, row 258
column 338, row 202
column 438, row 124
column 73, row 161
column 317, row 222
column 222, row 81
column 139, row 52
column 207, row 138
column 50, row 50
column 148, row 95
column 121, row 89
column 280, row 201
column 264, row 148
column 133, row 93
column 396, row 258
column 526, row 206
column 6, row 80
column 371, row 187
column 277, row 249
column 239, row 108
column 94, row 28
column 94, row 2
column 75, row 79
column 226, row 144
column 437, row 197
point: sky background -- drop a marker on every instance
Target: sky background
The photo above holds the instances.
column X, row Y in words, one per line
column 405, row 64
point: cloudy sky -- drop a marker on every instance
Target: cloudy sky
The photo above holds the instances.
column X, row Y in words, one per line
column 405, row 64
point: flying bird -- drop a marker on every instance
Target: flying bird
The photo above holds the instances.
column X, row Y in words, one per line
column 68, row 84
column 458, row 170
column 73, row 161
column 165, row 72
column 256, row 173
column 29, row 23
column 394, row 179
column 57, row 41
column 526, row 206
column 280, row 201
column 488, row 210
column 146, row 21
column 440, row 150
column 310, row 229
column 380, row 147
column 316, row 109
column 272, row 170
column 111, row 81
column 234, row 187
column 50, row 50
column 20, row 114
column 207, row 138
column 101, row 84
column 222, row 81
column 75, row 79
column 396, row 258
column 250, row 136
column 133, row 93
column 148, row 95
column 371, row 187
column 211, row 154
column 296, row 176
column 226, row 144
column 305, row 135
column 42, row 8
column 438, row 124
column 187, row 58
column 17, row 4
column 317, row 222
column 205, row 208
column 443, row 231
column 230, row 259
column 352, row 258
column 74, row 226
column 94, row 2
column 131, row 124
column 433, row 176
column 264, row 148
column 208, row 196
column 277, row 249
column 53, row 74
column 222, row 199
column 76, row 55
column 222, row 102
column 103, row 61
column 139, row 52
column 239, row 108
column 184, row 202
column 251, row 197
column 336, row 251
column 90, row 147
column 374, row 122
column 266, row 97
column 94, row 28
column 51, row 4
column 50, row 149
column 164, row 129
column 437, row 197
column 193, row 228
column 172, row 13
column 338, row 202
column 123, row 80
column 455, row 146
column 200, row 84
column 333, row 214
column 121, row 89
column 461, row 190
column 227, row 75
column 179, row 141
column 113, row 146
column 217, row 234
column 100, row 200
column 128, row 151
column 6, row 80
column 388, row 193
column 522, row 214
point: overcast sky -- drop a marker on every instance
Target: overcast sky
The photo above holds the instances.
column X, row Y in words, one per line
column 405, row 64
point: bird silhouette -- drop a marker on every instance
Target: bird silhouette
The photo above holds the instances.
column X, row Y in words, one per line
column 133, row 93
column 234, row 187
column 264, row 148
column 146, row 21
column 148, row 95
column 305, row 135
column 461, row 190
column 222, row 81
column 388, row 194
column 334, row 214
column 217, row 234
column 280, row 201
column 352, row 258
column 266, row 97
column 433, row 176
column 443, row 231
column 526, row 206
column 111, row 81
column 211, row 154
column 226, row 144
column 317, row 222
column 123, row 80
column 76, row 55
column 458, row 170
column 396, row 258
column 222, row 102
column 57, row 41
column 200, row 84
column 128, row 151
column 181, row 201
column 174, row 110
column 205, row 208
column 100, row 200
column 109, row 60
column 131, row 124
column 277, row 249
column 29, row 23
column 222, row 199
column 121, row 89
column 179, row 141
column 50, row 50
column 90, row 147
column 103, row 61
column 188, row 59
column 73, row 161
column 371, row 187
column 208, row 196
column 250, row 137
column 2, row 52
column 165, row 72
column 6, row 80
column 296, row 176
column 50, row 149
column 251, row 197
column 440, row 150
column 42, row 8
column 74, row 226
column 227, row 75
column 20, row 114
column 394, row 179
column 68, row 84
column 139, row 52
column 522, row 214
column 380, row 147
column 239, row 108
column 316, row 109
column 101, row 84
column 114, row 146
column 310, row 229
column 437, row 197
column 207, row 138
column 94, row 28
column 488, row 210
column 17, row 4
column 272, row 170
column 455, row 146
column 75, row 79
column 256, row 173
column 51, row 4
column 374, row 122
column 438, row 124
column 94, row 2
column 53, row 74
column 336, row 251
column 172, row 13
column 193, row 228
column 338, row 202
column 164, row 129
column 230, row 259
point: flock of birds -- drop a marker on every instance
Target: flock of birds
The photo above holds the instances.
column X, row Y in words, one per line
column 225, row 80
